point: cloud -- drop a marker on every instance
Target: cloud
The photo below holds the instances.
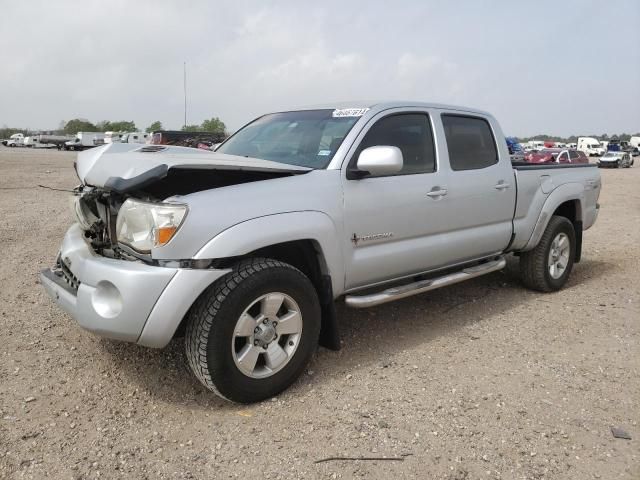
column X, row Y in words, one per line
column 125, row 60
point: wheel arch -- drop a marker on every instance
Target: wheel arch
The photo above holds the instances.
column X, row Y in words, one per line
column 565, row 201
column 305, row 240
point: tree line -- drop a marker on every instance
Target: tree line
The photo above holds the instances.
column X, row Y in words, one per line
column 574, row 138
column 71, row 127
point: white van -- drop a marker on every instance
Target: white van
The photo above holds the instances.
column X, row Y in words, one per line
column 635, row 142
column 135, row 137
column 590, row 146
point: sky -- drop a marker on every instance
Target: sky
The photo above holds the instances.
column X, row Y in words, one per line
column 555, row 67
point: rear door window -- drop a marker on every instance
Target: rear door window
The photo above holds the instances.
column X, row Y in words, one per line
column 470, row 142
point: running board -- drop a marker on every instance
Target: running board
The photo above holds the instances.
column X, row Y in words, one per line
column 403, row 291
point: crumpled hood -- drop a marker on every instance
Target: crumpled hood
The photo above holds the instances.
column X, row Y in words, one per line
column 123, row 166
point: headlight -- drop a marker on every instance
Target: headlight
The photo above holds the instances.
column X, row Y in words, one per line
column 143, row 225
column 86, row 218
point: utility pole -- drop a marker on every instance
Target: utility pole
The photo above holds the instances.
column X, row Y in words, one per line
column 185, row 93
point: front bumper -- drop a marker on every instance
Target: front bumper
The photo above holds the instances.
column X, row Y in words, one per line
column 614, row 164
column 120, row 299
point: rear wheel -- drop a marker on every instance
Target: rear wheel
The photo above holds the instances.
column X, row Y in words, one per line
column 250, row 335
column 546, row 268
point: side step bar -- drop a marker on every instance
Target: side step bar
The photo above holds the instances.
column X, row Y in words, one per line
column 403, row 291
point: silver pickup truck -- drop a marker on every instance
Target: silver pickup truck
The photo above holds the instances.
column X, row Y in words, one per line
column 244, row 251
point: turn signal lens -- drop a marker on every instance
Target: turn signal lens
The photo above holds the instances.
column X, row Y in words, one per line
column 164, row 234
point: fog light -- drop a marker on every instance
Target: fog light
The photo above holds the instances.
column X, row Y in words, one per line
column 106, row 300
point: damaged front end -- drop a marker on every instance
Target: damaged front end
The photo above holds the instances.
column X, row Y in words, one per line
column 96, row 211
column 144, row 186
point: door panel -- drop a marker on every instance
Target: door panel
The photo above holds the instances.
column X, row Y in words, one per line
column 482, row 188
column 391, row 223
column 392, row 220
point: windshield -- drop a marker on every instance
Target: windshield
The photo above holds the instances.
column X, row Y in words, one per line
column 307, row 138
column 609, row 154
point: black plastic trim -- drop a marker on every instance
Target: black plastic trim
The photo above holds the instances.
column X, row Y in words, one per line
column 125, row 185
column 542, row 166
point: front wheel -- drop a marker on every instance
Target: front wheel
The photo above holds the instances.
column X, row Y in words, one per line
column 251, row 334
column 546, row 268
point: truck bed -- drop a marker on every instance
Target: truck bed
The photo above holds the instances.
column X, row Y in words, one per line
column 543, row 187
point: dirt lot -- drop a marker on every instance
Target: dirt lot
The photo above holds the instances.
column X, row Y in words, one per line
column 480, row 380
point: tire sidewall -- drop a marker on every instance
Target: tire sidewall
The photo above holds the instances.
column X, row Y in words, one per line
column 563, row 226
column 226, row 376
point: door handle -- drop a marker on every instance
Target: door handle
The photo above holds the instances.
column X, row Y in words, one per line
column 437, row 192
column 501, row 185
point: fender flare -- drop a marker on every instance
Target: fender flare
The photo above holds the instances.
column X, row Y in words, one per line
column 260, row 232
column 573, row 191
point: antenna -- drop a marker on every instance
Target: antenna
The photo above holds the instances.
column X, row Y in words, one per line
column 185, row 93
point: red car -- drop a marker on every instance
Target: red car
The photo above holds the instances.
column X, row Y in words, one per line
column 556, row 155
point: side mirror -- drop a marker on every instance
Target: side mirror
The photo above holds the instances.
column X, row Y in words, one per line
column 380, row 160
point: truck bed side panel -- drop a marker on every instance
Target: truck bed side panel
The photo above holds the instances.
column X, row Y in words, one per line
column 540, row 192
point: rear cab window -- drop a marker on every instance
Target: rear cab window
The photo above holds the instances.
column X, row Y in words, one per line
column 470, row 142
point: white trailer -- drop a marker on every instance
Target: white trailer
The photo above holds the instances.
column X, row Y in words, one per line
column 113, row 137
column 85, row 140
column 135, row 137
column 534, row 145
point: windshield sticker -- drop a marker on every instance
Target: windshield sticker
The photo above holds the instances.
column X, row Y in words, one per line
column 349, row 112
column 324, row 153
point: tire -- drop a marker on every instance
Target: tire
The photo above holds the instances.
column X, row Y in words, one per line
column 214, row 346
column 535, row 265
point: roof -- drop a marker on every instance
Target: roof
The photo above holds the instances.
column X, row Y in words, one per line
column 380, row 105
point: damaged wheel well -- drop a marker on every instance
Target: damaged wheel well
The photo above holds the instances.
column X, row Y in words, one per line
column 306, row 256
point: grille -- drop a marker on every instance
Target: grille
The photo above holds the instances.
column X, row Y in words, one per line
column 63, row 271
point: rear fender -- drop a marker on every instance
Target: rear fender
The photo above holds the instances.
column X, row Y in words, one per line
column 567, row 192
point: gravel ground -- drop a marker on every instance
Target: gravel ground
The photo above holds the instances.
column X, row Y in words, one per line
column 480, row 380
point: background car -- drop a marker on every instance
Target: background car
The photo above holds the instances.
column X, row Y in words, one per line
column 556, row 155
column 616, row 160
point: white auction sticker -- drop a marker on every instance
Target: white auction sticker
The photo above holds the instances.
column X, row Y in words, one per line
column 349, row 112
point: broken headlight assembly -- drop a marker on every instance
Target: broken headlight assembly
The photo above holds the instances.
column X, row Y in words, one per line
column 144, row 225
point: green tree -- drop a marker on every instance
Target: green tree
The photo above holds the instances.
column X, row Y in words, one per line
column 79, row 125
column 191, row 128
column 121, row 126
column 154, row 127
column 214, row 125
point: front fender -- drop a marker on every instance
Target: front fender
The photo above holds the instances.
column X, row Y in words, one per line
column 261, row 232
column 564, row 193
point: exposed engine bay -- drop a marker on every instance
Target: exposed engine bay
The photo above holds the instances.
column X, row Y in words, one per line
column 96, row 208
